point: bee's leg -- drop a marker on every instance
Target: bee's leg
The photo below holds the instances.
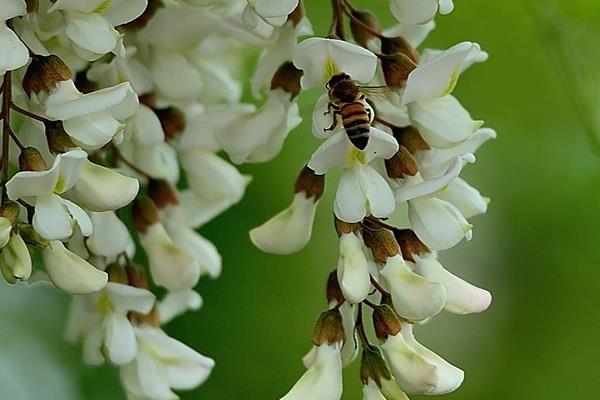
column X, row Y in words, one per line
column 334, row 122
column 331, row 106
column 370, row 114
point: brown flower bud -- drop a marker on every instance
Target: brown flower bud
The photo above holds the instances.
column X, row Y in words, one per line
column 172, row 120
column 363, row 31
column 150, row 319
column 402, row 163
column 148, row 99
column 58, row 139
column 141, row 21
column 297, row 15
column 329, row 328
column 145, row 213
column 310, row 183
column 44, row 73
column 32, row 5
column 342, row 227
column 396, row 68
column 30, row 159
column 287, row 78
column 373, row 366
column 136, row 276
column 399, row 45
column 410, row 244
column 334, row 291
column 410, row 138
column 117, row 274
column 10, row 210
column 382, row 243
column 386, row 322
column 161, row 193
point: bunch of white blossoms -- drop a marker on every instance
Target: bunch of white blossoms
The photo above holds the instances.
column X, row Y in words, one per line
column 113, row 114
column 390, row 123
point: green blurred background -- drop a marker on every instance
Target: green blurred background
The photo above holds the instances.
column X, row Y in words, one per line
column 537, row 249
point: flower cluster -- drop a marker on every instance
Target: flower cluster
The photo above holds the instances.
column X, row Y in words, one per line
column 389, row 121
column 113, row 114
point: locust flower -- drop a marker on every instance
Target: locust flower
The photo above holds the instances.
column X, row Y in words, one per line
column 14, row 52
column 273, row 12
column 419, row 12
column 15, row 261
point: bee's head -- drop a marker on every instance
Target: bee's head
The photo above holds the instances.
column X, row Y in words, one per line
column 342, row 89
column 337, row 79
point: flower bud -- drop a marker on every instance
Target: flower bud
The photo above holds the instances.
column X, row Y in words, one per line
column 401, row 164
column 334, row 292
column 373, row 366
column 287, row 77
column 58, row 139
column 310, row 183
column 145, row 213
column 15, row 261
column 44, row 73
column 32, row 5
column 161, row 193
column 10, row 210
column 297, row 15
column 386, row 322
column 399, row 45
column 137, row 277
column 410, row 244
column 396, row 68
column 342, row 227
column 410, row 138
column 6, row 226
column 362, row 31
column 382, row 243
column 30, row 159
column 172, row 120
column 117, row 274
column 329, row 328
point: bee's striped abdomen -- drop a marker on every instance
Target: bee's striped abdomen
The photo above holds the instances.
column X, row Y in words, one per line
column 356, row 121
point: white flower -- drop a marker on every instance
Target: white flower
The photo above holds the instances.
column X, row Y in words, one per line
column 92, row 120
column 465, row 198
column 170, row 266
column 15, row 261
column 5, row 230
column 111, row 236
column 290, row 230
column 273, row 12
column 388, row 390
column 163, row 364
column 177, row 303
column 14, row 53
column 461, row 296
column 414, row 297
column 353, row 269
column 259, row 136
column 90, row 24
column 102, row 189
column 418, row 370
column 101, row 320
column 54, row 216
column 71, row 273
column 159, row 160
column 418, row 12
column 122, row 69
column 323, row 380
column 320, row 59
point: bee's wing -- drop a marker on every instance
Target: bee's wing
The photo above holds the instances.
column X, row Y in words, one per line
column 377, row 91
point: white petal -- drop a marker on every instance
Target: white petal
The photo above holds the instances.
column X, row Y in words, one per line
column 437, row 223
column 12, row 8
column 414, row 297
column 15, row 260
column 334, row 152
column 461, row 296
column 102, row 189
column 465, row 197
column 33, row 183
column 79, row 216
column 175, row 76
column 92, row 347
column 350, row 203
column 110, row 237
column 353, row 269
column 14, row 53
column 122, row 11
column 51, row 219
column 430, row 186
column 204, row 251
column 320, row 59
column 119, row 339
column 177, row 303
column 93, row 131
column 290, row 230
column 413, row 12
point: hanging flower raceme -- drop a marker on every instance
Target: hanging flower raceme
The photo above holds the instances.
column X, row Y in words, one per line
column 389, row 121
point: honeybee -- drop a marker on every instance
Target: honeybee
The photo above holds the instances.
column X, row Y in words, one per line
column 348, row 101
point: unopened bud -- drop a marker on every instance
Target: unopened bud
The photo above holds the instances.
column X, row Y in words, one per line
column 373, row 366
column 342, row 227
column 287, row 78
column 410, row 138
column 329, row 328
column 297, row 15
column 58, row 139
column 396, row 68
column 141, row 21
column 150, row 319
column 145, row 213
column 386, row 322
column 44, row 73
column 161, row 193
column 311, row 184
column 399, row 45
column 363, row 31
column 334, row 291
column 401, row 164
column 30, row 159
column 10, row 210
column 117, row 274
column 382, row 243
column 32, row 5
column 148, row 99
column 410, row 244
column 172, row 120
column 136, row 277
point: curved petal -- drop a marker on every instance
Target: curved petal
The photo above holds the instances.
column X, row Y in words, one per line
column 430, row 186
column 51, row 219
column 14, row 53
column 413, row 12
column 350, row 204
column 119, row 339
column 91, row 32
column 80, row 216
column 334, row 152
column 465, row 198
column 110, row 237
column 177, row 303
column 102, row 189
column 353, row 269
column 377, row 192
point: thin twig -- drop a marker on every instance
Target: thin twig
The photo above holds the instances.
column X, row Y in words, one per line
column 28, row 113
